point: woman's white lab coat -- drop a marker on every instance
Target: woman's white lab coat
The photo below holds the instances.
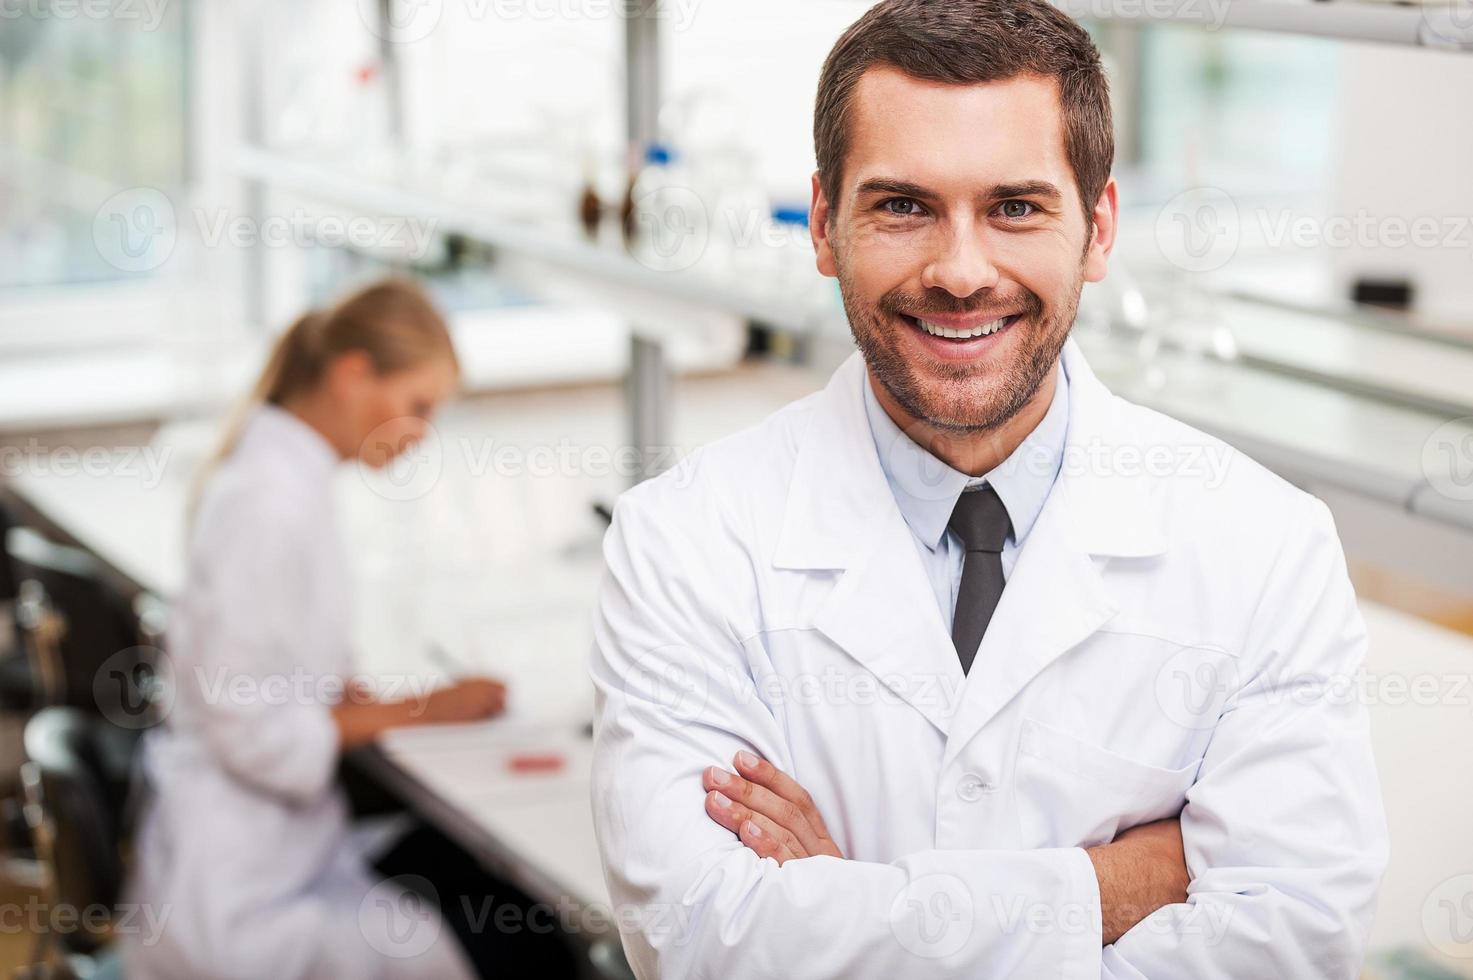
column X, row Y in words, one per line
column 244, row 858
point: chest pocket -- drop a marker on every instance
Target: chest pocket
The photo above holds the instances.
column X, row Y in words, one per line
column 1073, row 793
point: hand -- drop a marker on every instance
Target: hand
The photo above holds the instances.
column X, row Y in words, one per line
column 471, row 699
column 767, row 810
column 1140, row 871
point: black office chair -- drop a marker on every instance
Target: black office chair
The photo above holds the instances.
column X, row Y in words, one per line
column 7, row 575
column 77, row 779
column 606, row 960
column 18, row 683
column 79, row 632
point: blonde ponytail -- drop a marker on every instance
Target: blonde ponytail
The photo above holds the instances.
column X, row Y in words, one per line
column 294, row 361
column 392, row 321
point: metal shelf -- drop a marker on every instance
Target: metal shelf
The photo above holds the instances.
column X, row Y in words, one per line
column 1445, row 26
column 562, row 249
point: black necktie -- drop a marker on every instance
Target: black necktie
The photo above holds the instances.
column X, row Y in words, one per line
column 981, row 521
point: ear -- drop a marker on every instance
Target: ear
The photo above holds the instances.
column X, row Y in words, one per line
column 818, row 227
column 1102, row 239
column 347, row 372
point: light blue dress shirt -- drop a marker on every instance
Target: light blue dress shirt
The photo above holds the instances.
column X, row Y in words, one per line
column 927, row 489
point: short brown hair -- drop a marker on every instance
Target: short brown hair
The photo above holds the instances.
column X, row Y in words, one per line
column 964, row 42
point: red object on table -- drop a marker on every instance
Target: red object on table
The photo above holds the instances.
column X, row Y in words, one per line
column 535, row 762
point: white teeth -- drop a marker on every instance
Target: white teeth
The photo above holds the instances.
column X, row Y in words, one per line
column 982, row 330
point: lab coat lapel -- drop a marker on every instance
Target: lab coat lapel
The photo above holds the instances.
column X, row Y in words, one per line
column 840, row 514
column 1056, row 596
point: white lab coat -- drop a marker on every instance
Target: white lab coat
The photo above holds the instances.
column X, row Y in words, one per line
column 245, row 854
column 1172, row 638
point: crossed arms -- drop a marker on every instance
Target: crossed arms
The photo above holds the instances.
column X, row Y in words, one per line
column 1283, row 831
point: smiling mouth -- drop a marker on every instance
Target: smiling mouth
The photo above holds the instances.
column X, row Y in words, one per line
column 984, row 328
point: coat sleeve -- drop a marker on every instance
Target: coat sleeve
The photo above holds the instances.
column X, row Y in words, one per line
column 674, row 695
column 1284, row 830
column 265, row 714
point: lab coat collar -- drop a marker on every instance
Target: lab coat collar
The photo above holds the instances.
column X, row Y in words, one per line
column 272, row 432
column 840, row 514
column 839, row 487
column 926, row 488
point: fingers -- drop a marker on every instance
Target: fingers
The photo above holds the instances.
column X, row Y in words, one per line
column 487, row 694
column 757, row 832
column 763, row 801
column 768, row 776
column 765, row 774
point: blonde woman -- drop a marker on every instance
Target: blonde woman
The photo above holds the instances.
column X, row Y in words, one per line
column 245, row 856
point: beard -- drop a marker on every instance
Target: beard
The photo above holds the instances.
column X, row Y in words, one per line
column 959, row 397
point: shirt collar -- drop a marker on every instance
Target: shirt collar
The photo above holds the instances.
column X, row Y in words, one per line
column 273, row 430
column 926, row 489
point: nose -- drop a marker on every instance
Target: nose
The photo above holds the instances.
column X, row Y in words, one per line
column 961, row 265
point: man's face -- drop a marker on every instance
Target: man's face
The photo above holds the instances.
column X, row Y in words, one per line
column 959, row 242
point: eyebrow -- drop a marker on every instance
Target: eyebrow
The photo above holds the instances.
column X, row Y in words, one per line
column 904, row 188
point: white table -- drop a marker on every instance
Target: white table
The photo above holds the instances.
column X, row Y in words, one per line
column 500, row 570
column 496, row 562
